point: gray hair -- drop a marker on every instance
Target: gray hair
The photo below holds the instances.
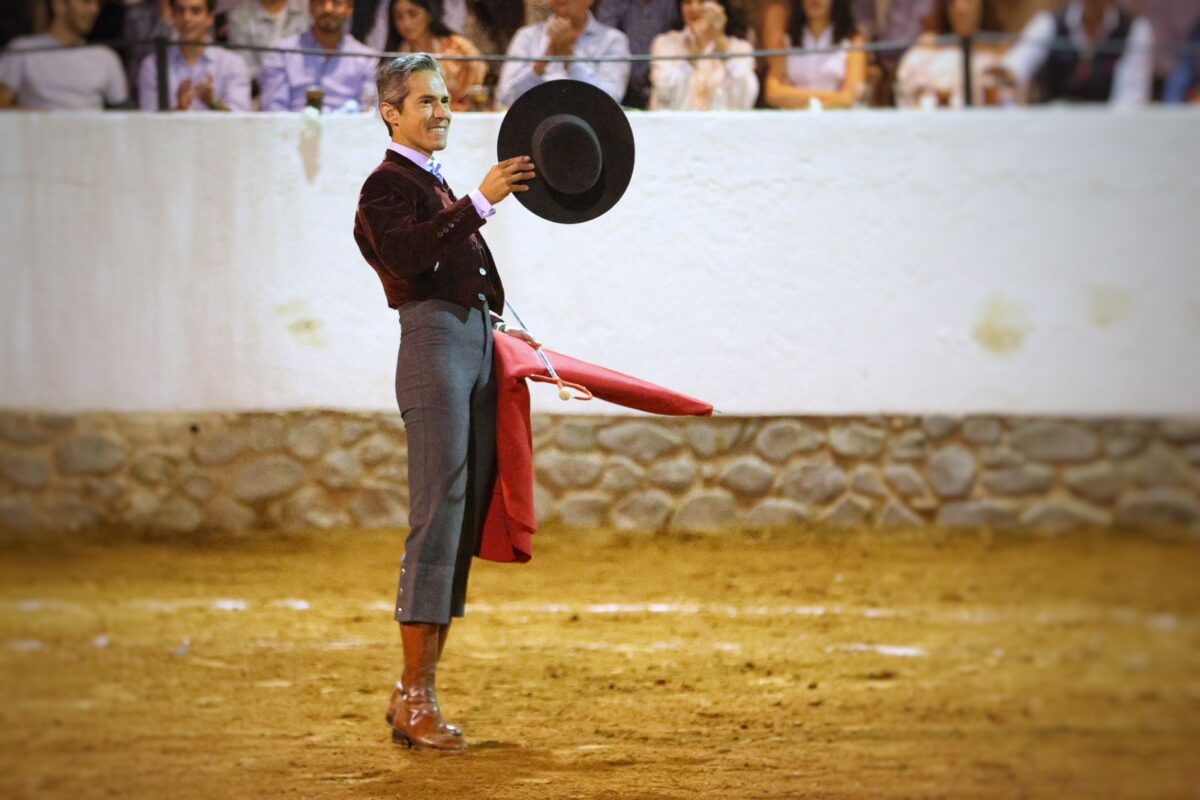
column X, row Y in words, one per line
column 392, row 78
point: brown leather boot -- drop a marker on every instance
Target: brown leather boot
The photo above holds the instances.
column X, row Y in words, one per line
column 398, row 691
column 418, row 720
column 395, row 704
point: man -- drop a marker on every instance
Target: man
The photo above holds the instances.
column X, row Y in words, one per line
column 1112, row 58
column 640, row 21
column 262, row 22
column 438, row 272
column 199, row 77
column 79, row 78
column 571, row 31
column 290, row 81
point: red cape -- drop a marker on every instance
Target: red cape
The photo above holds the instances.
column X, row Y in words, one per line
column 511, row 520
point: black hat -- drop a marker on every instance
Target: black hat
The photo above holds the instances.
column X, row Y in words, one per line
column 581, row 145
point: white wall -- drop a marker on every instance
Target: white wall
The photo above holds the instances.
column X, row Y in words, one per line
column 1022, row 262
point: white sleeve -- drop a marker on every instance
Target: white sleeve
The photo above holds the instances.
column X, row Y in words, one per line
column 610, row 76
column 1031, row 49
column 741, row 80
column 518, row 77
column 11, row 68
column 1134, row 74
column 116, row 86
column 668, row 79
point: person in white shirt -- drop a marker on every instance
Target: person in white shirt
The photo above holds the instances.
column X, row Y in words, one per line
column 77, row 77
column 700, row 84
column 199, row 77
column 572, row 31
column 835, row 77
column 262, row 22
column 931, row 73
column 1112, row 58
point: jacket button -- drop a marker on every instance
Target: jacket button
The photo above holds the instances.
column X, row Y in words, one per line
column 482, row 271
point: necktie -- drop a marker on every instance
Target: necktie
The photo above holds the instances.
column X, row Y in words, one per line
column 435, row 168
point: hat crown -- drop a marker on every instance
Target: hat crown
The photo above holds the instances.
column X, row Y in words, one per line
column 567, row 153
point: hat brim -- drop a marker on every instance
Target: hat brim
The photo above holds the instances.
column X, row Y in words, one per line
column 611, row 127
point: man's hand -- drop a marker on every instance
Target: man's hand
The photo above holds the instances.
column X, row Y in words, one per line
column 523, row 335
column 505, row 178
column 204, row 92
column 185, row 94
column 562, row 37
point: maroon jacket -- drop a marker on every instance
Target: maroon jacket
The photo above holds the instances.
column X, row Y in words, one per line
column 424, row 243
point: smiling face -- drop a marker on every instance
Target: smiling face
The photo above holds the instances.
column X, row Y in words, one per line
column 422, row 122
column 192, row 19
column 330, row 16
column 411, row 20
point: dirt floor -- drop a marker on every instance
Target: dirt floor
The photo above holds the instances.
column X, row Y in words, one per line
column 737, row 666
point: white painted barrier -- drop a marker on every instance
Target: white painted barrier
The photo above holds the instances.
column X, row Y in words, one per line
column 771, row 263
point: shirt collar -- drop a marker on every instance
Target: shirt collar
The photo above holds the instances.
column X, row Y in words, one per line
column 176, row 56
column 427, row 163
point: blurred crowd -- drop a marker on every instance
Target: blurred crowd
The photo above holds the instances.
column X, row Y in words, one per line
column 96, row 54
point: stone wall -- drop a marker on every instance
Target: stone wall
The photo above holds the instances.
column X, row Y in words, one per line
column 314, row 470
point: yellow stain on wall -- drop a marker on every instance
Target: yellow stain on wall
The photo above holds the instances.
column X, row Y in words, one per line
column 1001, row 328
column 1108, row 305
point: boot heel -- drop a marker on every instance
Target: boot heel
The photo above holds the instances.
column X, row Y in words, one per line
column 400, row 737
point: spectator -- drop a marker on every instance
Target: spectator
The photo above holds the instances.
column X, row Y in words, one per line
column 571, row 31
column 261, row 22
column 144, row 19
column 487, row 24
column 832, row 79
column 79, row 78
column 292, row 80
column 417, row 27
column 640, row 21
column 1112, row 58
column 932, row 73
column 699, row 84
column 1182, row 86
column 199, row 77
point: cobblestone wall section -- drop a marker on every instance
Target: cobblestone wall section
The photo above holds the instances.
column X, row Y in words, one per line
column 315, row 470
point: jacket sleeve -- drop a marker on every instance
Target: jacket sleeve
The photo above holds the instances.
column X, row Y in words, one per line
column 389, row 224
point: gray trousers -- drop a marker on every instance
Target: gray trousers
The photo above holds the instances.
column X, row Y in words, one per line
column 446, row 389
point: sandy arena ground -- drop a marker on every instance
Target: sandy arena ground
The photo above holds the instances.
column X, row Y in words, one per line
column 735, row 666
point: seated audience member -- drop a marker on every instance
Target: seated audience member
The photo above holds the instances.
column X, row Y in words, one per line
column 833, row 79
column 417, row 27
column 1183, row 84
column 262, row 22
column 932, row 74
column 640, row 21
column 80, row 78
column 487, row 24
column 571, row 31
column 699, row 84
column 290, row 81
column 199, row 77
column 1112, row 59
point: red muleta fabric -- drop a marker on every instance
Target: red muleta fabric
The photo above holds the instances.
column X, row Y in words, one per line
column 511, row 521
